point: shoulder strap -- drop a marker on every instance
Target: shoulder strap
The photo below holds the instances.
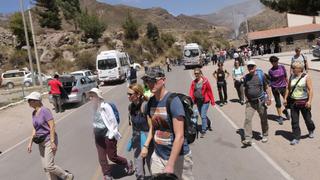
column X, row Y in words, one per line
column 168, row 105
column 294, row 87
column 148, row 106
column 260, row 76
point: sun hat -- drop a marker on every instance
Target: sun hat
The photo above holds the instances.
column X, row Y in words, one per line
column 97, row 91
column 251, row 62
column 153, row 73
column 34, row 96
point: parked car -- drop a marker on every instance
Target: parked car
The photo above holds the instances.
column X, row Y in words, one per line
column 28, row 80
column 76, row 87
column 13, row 78
column 86, row 73
column 316, row 51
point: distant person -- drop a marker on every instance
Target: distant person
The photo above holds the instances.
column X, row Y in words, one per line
column 258, row 95
column 168, row 63
column 300, row 91
column 106, row 134
column 44, row 134
column 55, row 86
column 214, row 59
column 300, row 58
column 272, row 47
column 221, row 75
column 132, row 76
column 237, row 75
column 145, row 65
column 278, row 83
column 142, row 147
column 201, row 94
column 172, row 153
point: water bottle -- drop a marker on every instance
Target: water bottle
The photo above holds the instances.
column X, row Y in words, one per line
column 195, row 115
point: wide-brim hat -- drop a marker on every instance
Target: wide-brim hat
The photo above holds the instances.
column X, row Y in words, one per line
column 34, row 96
column 251, row 62
column 97, row 91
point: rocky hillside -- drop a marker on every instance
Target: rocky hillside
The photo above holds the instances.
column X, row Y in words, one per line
column 114, row 16
column 232, row 16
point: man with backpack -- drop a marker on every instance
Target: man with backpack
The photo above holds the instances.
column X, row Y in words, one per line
column 167, row 115
column 301, row 58
column 257, row 92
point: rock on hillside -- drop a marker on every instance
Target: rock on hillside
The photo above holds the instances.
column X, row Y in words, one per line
column 114, row 16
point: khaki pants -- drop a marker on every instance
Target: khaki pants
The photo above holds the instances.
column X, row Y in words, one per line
column 182, row 168
column 261, row 108
column 47, row 157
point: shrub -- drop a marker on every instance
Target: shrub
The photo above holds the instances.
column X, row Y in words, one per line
column 86, row 60
column 168, row 39
column 91, row 25
column 131, row 28
column 19, row 59
column 152, row 32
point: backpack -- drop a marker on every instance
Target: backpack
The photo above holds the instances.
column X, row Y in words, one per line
column 260, row 76
column 190, row 123
column 115, row 111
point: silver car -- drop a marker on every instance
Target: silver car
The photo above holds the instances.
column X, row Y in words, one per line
column 76, row 87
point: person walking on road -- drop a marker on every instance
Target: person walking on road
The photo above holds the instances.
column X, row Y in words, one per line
column 132, row 76
column 278, row 83
column 44, row 134
column 55, row 86
column 172, row 153
column 168, row 63
column 301, row 58
column 221, row 75
column 300, row 95
column 237, row 75
column 106, row 133
column 201, row 94
column 140, row 129
column 257, row 92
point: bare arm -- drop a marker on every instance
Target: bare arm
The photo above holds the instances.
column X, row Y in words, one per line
column 310, row 91
column 178, row 128
column 52, row 134
column 30, row 142
column 144, row 151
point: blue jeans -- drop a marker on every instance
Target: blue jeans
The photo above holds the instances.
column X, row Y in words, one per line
column 203, row 109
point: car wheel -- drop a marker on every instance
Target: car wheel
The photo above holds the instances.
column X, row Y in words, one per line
column 27, row 84
column 10, row 85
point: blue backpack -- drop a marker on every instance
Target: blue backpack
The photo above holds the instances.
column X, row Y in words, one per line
column 260, row 76
column 115, row 111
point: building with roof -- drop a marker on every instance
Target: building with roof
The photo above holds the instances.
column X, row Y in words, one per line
column 300, row 33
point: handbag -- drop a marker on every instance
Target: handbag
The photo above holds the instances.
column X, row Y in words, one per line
column 300, row 103
column 290, row 101
column 39, row 138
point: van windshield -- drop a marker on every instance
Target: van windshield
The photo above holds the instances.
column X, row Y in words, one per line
column 107, row 64
column 191, row 52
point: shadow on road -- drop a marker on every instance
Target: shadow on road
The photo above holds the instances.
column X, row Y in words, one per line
column 288, row 135
column 315, row 60
column 255, row 135
column 118, row 171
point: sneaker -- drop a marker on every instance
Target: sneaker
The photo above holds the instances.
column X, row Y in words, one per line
column 130, row 169
column 280, row 120
column 221, row 104
column 247, row 142
column 226, row 102
column 286, row 113
column 69, row 176
column 202, row 135
column 107, row 177
column 264, row 139
column 209, row 128
column 242, row 102
column 294, row 142
column 311, row 134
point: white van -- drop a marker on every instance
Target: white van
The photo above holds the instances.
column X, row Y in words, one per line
column 192, row 55
column 112, row 65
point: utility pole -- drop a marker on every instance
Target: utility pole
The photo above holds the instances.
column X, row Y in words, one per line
column 35, row 49
column 27, row 39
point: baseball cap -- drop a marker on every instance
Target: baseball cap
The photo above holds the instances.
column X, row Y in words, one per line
column 34, row 96
column 97, row 91
column 251, row 62
column 154, row 73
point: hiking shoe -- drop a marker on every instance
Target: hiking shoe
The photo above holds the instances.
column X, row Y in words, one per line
column 264, row 139
column 280, row 120
column 209, row 126
column 130, row 169
column 69, row 176
column 294, row 142
column 247, row 142
column 311, row 134
column 286, row 113
column 107, row 177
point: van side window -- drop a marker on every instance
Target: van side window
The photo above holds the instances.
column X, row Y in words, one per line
column 8, row 75
column 19, row 74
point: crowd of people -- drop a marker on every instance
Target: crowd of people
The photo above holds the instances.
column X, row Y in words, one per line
column 158, row 117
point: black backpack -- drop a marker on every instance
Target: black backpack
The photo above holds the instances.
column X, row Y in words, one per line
column 190, row 124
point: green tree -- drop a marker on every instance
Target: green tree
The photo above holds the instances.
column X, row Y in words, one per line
column 305, row 7
column 71, row 10
column 91, row 25
column 168, row 39
column 131, row 27
column 48, row 11
column 152, row 32
column 16, row 27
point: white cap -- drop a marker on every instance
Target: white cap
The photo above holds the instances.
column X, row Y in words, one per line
column 251, row 62
column 235, row 55
column 34, row 96
column 97, row 91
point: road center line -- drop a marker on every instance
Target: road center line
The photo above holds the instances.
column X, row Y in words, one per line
column 57, row 121
column 256, row 147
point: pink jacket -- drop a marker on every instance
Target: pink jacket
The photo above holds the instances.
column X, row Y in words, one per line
column 206, row 91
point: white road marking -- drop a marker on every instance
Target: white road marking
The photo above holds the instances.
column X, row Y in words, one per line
column 57, row 121
column 284, row 173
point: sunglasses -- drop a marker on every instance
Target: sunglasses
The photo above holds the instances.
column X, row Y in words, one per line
column 250, row 66
column 130, row 94
column 152, row 80
column 196, row 73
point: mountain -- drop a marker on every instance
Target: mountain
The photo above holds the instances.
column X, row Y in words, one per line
column 114, row 16
column 232, row 16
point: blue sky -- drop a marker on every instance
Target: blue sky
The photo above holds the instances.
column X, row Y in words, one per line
column 176, row 7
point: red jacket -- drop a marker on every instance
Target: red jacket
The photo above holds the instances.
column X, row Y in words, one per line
column 206, row 91
column 54, row 86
